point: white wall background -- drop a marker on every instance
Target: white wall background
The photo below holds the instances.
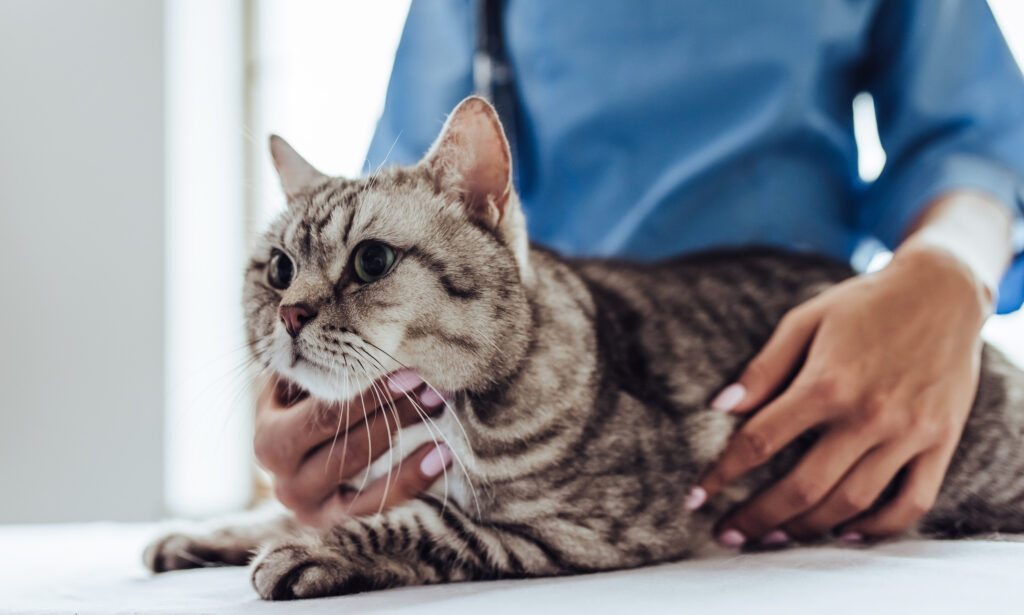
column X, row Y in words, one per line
column 81, row 247
column 319, row 73
column 208, row 435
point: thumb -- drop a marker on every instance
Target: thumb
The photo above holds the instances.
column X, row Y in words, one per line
column 769, row 370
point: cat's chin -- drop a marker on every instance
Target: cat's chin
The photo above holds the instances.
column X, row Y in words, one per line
column 327, row 387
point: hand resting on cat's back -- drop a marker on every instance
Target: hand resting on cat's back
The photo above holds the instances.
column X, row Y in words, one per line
column 578, row 391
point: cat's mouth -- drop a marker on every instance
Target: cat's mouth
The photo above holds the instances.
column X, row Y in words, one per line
column 329, row 368
column 297, row 355
column 304, row 374
column 301, row 357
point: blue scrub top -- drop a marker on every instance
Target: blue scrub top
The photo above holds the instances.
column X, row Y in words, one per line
column 657, row 127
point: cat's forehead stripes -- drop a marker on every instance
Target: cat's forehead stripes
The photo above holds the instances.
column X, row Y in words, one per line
column 313, row 228
column 322, row 220
column 323, row 226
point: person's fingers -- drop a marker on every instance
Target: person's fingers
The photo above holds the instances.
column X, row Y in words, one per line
column 283, row 393
column 768, row 432
column 857, row 492
column 768, row 372
column 341, row 457
column 409, row 478
column 275, row 393
column 283, row 438
column 805, row 486
column 915, row 498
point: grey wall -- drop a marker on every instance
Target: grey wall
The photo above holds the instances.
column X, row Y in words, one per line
column 81, row 259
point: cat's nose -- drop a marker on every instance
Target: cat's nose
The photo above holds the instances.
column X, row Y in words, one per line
column 295, row 317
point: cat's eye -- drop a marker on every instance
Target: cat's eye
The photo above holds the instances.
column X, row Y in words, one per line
column 280, row 270
column 373, row 260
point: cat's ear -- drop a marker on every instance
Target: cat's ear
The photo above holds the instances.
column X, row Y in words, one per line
column 296, row 174
column 471, row 159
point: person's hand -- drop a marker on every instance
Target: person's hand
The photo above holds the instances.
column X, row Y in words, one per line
column 311, row 448
column 886, row 368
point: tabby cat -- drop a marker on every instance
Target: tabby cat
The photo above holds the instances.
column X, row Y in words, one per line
column 579, row 411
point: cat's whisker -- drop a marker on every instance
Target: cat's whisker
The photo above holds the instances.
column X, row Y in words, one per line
column 381, row 399
column 374, row 388
column 384, row 373
column 240, row 377
column 241, row 385
column 376, row 172
column 231, row 372
column 337, row 430
column 346, row 409
column 398, row 423
column 228, row 387
column 432, row 427
column 432, row 430
column 448, row 407
column 429, row 420
column 369, row 450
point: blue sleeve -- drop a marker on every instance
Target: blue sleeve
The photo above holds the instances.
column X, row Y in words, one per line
column 433, row 71
column 950, row 105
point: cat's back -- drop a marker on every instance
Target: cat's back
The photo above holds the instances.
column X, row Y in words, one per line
column 769, row 273
column 689, row 324
column 724, row 300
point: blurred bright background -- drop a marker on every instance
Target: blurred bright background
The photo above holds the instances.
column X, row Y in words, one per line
column 133, row 172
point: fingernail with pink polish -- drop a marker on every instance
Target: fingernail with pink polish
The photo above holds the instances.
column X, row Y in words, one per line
column 695, row 498
column 436, row 461
column 776, row 538
column 403, row 381
column 729, row 398
column 733, row 539
column 852, row 538
column 432, row 399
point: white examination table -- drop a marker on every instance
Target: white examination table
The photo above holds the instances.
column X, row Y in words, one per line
column 96, row 568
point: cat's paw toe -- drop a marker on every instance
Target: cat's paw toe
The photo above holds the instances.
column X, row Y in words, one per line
column 173, row 552
column 291, row 571
column 183, row 551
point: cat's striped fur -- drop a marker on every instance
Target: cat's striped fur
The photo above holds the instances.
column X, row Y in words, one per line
column 581, row 387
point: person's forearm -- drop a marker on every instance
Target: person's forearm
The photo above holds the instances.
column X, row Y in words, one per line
column 973, row 227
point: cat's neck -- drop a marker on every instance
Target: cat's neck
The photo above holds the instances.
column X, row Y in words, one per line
column 537, row 404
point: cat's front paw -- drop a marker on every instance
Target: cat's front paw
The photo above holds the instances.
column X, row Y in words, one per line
column 299, row 568
column 182, row 551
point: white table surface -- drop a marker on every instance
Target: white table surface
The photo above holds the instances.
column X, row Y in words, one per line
column 96, row 568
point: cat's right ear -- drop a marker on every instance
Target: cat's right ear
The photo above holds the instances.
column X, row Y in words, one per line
column 296, row 174
column 471, row 159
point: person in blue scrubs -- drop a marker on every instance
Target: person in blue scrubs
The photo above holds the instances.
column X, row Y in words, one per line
column 656, row 128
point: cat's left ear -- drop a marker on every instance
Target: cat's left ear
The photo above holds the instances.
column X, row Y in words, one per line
column 471, row 158
column 297, row 175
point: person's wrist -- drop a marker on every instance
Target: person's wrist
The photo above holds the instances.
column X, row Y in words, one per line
column 922, row 260
column 971, row 227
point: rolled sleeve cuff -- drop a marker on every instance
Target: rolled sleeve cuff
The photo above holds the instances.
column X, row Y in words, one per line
column 1011, row 288
column 891, row 213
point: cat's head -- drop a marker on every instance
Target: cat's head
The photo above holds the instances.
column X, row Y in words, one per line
column 419, row 266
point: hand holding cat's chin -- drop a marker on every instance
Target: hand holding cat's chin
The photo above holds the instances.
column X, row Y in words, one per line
column 313, row 448
column 882, row 389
